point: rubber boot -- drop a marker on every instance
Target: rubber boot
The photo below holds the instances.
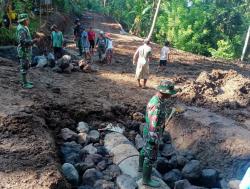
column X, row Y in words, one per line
column 141, row 160
column 146, row 176
column 26, row 84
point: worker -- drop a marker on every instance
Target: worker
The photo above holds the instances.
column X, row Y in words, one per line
column 156, row 114
column 57, row 42
column 164, row 57
column 101, row 45
column 24, row 48
column 78, row 35
column 141, row 58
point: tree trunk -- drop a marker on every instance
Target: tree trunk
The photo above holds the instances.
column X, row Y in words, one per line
column 154, row 21
column 247, row 41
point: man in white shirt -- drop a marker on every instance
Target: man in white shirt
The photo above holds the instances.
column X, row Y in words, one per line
column 164, row 58
column 141, row 58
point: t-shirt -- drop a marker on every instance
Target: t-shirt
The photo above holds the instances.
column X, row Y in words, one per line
column 57, row 39
column 164, row 53
column 85, row 41
column 91, row 35
column 110, row 44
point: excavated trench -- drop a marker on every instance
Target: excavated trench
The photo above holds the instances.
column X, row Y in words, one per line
column 192, row 135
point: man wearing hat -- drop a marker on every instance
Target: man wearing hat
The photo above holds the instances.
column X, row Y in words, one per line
column 101, row 45
column 156, row 114
column 24, row 48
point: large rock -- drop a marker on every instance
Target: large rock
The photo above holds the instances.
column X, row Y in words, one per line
column 70, row 151
column 113, row 171
column 102, row 150
column 96, row 158
column 126, row 182
column 83, row 127
column 163, row 165
column 142, row 186
column 70, row 173
column 172, row 176
column 102, row 165
column 209, row 178
column 91, row 176
column 94, row 136
column 185, row 184
column 181, row 161
column 82, row 138
column 68, row 135
column 90, row 149
column 192, row 170
column 168, row 150
column 83, row 166
column 103, row 184
column 139, row 142
column 122, row 152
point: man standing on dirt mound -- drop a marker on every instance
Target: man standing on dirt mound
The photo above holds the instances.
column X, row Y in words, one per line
column 142, row 57
column 24, row 48
column 156, row 114
column 78, row 35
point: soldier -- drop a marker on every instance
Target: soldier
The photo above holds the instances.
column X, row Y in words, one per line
column 24, row 48
column 156, row 114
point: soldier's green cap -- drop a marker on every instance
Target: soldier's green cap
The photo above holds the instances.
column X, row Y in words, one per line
column 22, row 17
column 166, row 87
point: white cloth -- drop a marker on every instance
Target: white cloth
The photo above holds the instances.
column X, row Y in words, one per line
column 110, row 44
column 142, row 68
column 164, row 53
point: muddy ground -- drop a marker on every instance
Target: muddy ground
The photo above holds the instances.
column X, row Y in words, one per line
column 30, row 120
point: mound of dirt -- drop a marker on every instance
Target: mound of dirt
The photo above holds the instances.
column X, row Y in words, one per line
column 226, row 89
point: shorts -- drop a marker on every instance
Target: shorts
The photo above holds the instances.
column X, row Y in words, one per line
column 163, row 62
column 92, row 44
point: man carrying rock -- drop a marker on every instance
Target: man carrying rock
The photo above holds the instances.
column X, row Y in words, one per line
column 156, row 113
column 24, row 48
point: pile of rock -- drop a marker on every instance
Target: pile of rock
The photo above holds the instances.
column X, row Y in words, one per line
column 87, row 164
column 179, row 169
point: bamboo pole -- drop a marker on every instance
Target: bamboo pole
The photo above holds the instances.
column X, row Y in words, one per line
column 154, row 21
column 247, row 41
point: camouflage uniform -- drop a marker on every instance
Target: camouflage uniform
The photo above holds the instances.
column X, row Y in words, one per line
column 24, row 50
column 157, row 111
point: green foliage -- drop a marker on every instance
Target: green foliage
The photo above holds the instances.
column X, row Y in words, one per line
column 8, row 36
column 225, row 50
column 208, row 27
